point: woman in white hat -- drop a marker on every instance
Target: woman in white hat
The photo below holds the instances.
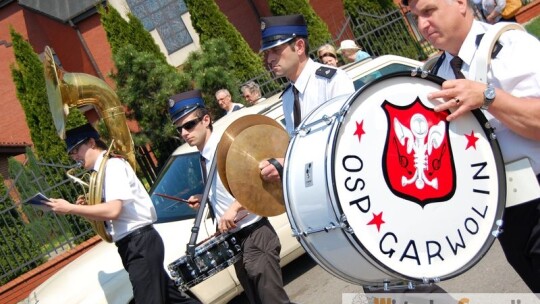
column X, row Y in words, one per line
column 351, row 52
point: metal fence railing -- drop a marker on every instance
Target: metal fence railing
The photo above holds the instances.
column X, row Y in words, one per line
column 31, row 236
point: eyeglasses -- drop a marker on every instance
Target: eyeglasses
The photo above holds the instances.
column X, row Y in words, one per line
column 189, row 125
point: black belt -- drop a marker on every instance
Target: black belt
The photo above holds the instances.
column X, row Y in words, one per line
column 133, row 234
column 246, row 231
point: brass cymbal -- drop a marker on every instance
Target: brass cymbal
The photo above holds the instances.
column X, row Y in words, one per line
column 229, row 136
column 248, row 149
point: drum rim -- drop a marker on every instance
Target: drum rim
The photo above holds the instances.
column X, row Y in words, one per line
column 499, row 163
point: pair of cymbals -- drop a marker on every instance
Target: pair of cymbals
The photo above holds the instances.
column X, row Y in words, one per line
column 244, row 144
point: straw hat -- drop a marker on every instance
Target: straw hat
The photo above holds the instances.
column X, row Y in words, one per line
column 347, row 45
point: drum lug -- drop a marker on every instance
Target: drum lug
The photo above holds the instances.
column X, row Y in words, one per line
column 498, row 230
column 306, row 129
column 344, row 224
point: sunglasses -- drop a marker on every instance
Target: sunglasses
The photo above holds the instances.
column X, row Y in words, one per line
column 189, row 125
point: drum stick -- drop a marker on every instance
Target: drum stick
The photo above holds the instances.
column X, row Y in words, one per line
column 218, row 233
column 174, row 198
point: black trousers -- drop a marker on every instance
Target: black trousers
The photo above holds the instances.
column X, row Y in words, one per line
column 258, row 270
column 520, row 241
column 142, row 256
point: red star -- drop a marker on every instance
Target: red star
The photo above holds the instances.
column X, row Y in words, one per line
column 377, row 220
column 359, row 130
column 471, row 140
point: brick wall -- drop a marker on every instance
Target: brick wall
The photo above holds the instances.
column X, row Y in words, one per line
column 20, row 288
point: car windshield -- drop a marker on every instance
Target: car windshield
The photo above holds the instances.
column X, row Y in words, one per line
column 391, row 68
column 181, row 178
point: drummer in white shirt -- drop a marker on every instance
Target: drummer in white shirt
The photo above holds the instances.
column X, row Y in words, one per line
column 258, row 270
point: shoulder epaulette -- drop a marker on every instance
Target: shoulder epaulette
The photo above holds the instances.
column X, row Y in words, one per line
column 326, row 72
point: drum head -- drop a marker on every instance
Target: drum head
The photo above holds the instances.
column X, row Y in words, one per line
column 422, row 195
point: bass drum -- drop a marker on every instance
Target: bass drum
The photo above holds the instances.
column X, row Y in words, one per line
column 381, row 190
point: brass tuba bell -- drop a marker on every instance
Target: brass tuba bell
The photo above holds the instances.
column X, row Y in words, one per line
column 66, row 90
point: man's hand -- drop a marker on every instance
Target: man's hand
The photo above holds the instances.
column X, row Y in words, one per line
column 269, row 173
column 59, row 205
column 227, row 220
column 462, row 94
column 194, row 201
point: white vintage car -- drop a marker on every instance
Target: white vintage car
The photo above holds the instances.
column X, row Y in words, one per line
column 99, row 277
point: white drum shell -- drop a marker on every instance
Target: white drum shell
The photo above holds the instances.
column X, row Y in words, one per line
column 316, row 215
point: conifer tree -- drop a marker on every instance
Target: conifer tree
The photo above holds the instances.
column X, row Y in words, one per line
column 209, row 22
column 144, row 84
column 209, row 69
column 29, row 81
column 317, row 28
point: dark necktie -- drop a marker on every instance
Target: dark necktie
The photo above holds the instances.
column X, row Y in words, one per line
column 296, row 110
column 205, row 180
column 456, row 64
column 203, row 168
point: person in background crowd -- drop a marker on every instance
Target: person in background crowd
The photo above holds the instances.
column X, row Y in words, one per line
column 129, row 214
column 285, row 47
column 492, row 10
column 510, row 101
column 327, row 55
column 252, row 93
column 258, row 269
column 351, row 51
column 224, row 100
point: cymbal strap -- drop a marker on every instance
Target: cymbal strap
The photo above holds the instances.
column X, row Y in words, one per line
column 278, row 166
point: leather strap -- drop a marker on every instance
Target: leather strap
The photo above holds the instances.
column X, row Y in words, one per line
column 278, row 166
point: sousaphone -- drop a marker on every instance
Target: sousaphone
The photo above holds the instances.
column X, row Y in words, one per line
column 67, row 90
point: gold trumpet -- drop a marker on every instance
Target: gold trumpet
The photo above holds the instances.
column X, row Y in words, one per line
column 66, row 90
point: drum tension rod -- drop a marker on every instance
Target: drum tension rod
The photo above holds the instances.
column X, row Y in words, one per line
column 342, row 224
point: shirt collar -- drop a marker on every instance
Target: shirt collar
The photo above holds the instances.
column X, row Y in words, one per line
column 210, row 147
column 303, row 79
column 466, row 52
column 99, row 160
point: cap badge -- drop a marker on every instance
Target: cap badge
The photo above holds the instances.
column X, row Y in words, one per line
column 263, row 25
column 171, row 103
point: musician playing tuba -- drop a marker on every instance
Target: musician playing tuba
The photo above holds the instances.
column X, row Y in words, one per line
column 128, row 213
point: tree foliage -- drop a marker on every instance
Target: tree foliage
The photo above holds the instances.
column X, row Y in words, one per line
column 317, row 28
column 144, row 84
column 209, row 22
column 209, row 69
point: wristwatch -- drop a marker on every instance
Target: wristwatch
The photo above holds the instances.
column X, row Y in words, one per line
column 489, row 96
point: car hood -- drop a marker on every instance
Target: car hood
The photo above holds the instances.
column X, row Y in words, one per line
column 99, row 270
column 98, row 275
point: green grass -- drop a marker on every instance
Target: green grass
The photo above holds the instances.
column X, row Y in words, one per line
column 533, row 27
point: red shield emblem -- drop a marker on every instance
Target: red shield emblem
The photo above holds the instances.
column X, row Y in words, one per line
column 417, row 159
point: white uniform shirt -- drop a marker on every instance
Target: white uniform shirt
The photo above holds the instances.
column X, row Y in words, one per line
column 515, row 70
column 122, row 183
column 219, row 197
column 314, row 90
